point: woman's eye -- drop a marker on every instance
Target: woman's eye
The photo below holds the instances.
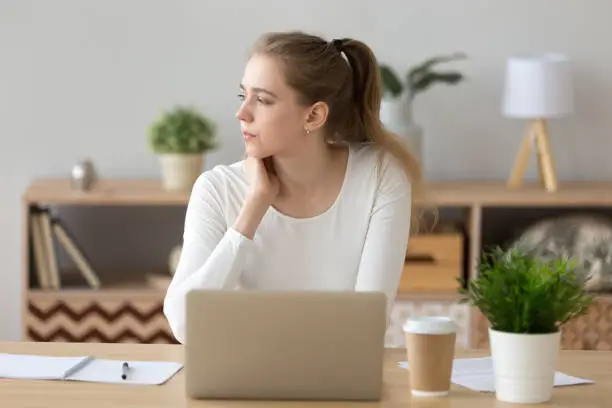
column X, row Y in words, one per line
column 260, row 99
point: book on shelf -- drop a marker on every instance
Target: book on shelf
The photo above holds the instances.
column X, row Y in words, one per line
column 44, row 227
column 39, row 249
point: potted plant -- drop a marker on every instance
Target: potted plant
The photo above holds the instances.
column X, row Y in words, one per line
column 398, row 95
column 526, row 300
column 180, row 138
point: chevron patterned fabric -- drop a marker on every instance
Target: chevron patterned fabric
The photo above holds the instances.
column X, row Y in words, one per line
column 98, row 320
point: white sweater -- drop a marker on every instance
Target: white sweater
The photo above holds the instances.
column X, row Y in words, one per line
column 358, row 244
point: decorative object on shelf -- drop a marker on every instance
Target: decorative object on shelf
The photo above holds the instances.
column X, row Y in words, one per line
column 180, row 138
column 526, row 300
column 585, row 238
column 83, row 175
column 173, row 259
column 396, row 110
column 537, row 88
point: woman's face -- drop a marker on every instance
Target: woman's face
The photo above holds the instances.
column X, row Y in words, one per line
column 272, row 121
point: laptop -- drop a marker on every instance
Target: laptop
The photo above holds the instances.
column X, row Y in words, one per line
column 274, row 345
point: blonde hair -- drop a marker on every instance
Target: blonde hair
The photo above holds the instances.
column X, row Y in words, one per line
column 318, row 71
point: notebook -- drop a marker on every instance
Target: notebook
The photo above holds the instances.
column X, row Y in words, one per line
column 477, row 374
column 85, row 368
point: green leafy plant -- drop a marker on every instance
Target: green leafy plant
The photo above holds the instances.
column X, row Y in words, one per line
column 520, row 293
column 420, row 77
column 182, row 130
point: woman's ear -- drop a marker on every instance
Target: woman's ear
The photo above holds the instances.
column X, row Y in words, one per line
column 317, row 116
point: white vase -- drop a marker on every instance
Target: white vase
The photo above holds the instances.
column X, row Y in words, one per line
column 180, row 171
column 524, row 365
column 396, row 116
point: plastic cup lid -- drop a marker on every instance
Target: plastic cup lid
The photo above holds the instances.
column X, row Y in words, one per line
column 430, row 325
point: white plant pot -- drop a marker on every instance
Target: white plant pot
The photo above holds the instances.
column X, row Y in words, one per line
column 180, row 171
column 396, row 116
column 524, row 365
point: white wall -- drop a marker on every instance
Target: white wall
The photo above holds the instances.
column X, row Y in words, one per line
column 85, row 78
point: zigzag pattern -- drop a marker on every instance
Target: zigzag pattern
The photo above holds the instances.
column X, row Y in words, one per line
column 88, row 320
column 96, row 322
column 95, row 335
column 110, row 317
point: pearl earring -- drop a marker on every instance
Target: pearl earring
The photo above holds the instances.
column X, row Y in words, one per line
column 307, row 130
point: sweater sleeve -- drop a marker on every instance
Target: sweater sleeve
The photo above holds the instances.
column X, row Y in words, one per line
column 384, row 250
column 212, row 255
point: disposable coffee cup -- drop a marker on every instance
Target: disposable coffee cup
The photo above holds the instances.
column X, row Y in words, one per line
column 430, row 350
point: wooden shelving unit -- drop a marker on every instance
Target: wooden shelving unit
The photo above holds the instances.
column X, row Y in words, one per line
column 121, row 310
column 131, row 311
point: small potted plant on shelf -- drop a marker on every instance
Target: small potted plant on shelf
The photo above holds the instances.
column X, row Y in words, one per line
column 180, row 138
column 526, row 301
column 398, row 95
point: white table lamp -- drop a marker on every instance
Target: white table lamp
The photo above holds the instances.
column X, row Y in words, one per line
column 537, row 88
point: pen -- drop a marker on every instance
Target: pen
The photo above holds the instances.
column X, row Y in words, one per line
column 124, row 369
column 78, row 366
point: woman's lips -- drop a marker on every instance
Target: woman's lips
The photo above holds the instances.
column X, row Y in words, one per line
column 248, row 136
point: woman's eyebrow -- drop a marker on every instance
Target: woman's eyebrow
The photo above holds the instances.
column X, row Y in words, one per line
column 242, row 87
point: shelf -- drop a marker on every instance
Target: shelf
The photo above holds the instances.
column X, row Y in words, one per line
column 104, row 192
column 469, row 193
column 152, row 293
column 158, row 294
column 145, row 287
column 124, row 310
column 98, row 294
column 495, row 193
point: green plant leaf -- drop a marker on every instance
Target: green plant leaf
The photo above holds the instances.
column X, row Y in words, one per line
column 421, row 69
column 520, row 293
column 421, row 77
column 182, row 130
column 390, row 81
column 431, row 78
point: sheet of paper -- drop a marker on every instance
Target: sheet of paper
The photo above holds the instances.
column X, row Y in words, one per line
column 140, row 372
column 477, row 374
column 33, row 367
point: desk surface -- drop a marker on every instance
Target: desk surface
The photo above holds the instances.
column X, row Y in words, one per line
column 595, row 365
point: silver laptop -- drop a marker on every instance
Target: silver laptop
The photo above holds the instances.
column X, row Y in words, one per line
column 285, row 345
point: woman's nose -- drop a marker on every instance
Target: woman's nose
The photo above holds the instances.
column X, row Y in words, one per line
column 244, row 114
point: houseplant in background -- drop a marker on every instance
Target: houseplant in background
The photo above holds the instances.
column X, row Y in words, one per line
column 180, row 138
column 526, row 300
column 396, row 111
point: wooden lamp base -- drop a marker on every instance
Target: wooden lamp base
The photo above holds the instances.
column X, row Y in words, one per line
column 538, row 135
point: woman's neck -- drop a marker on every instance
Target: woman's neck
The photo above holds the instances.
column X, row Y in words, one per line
column 304, row 172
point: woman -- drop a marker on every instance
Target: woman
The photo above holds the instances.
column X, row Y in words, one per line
column 323, row 198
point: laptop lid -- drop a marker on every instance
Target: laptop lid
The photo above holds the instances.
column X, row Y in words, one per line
column 285, row 345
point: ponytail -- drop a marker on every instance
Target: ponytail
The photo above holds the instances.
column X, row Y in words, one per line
column 367, row 94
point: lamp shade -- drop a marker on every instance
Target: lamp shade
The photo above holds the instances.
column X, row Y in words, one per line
column 538, row 87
